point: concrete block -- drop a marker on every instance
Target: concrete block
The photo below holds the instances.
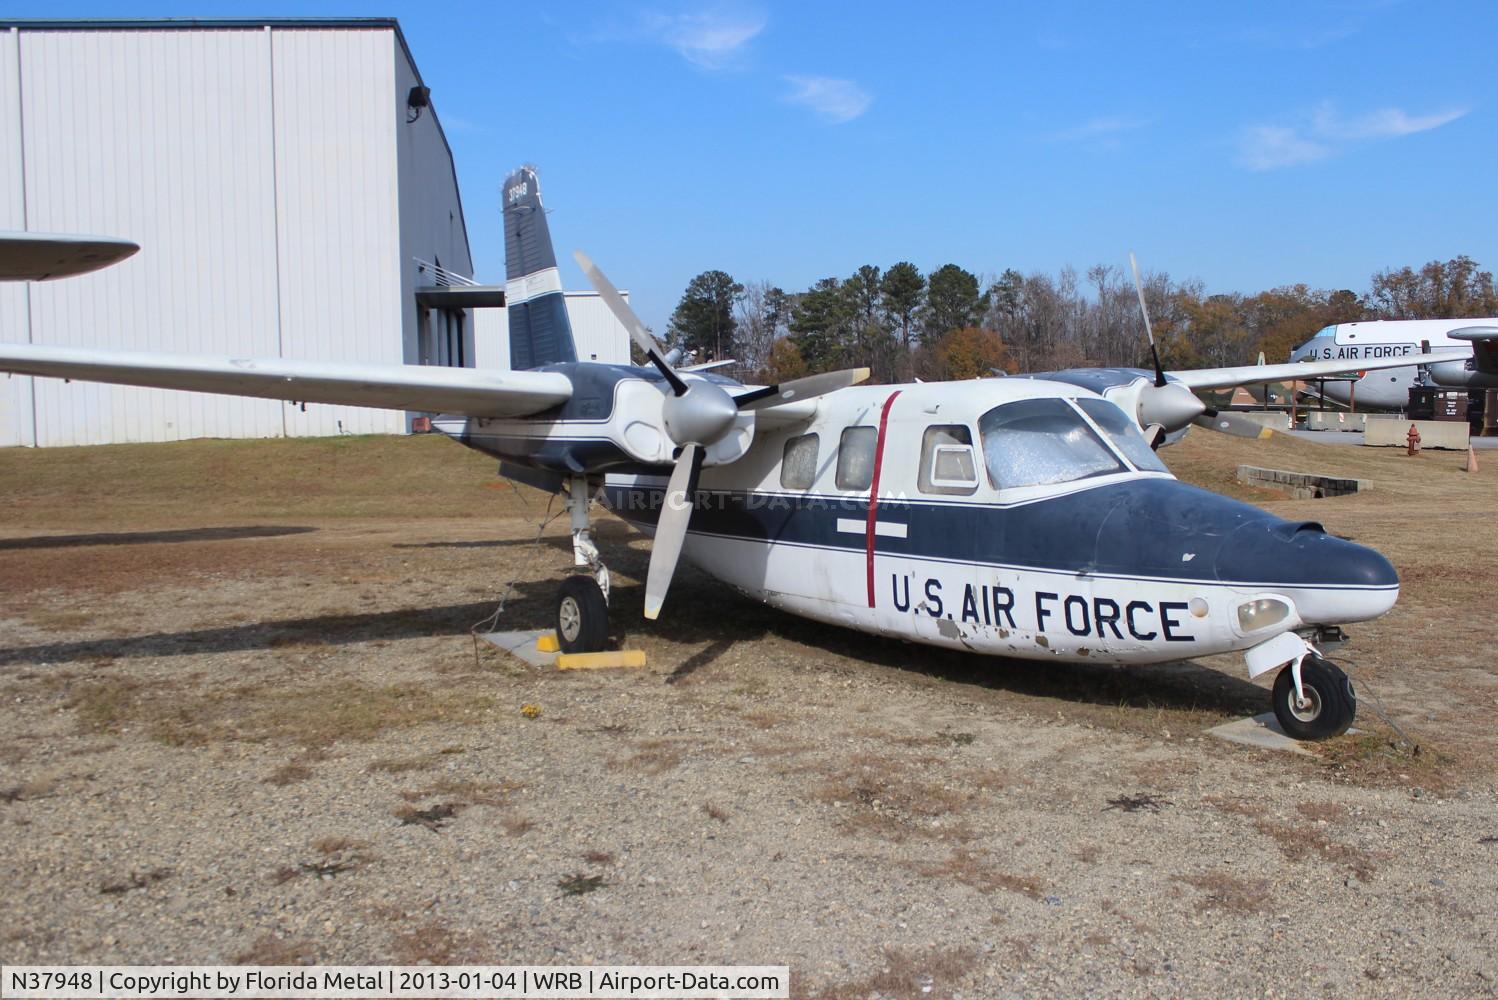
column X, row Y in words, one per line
column 1300, row 485
column 1391, row 431
column 1327, row 420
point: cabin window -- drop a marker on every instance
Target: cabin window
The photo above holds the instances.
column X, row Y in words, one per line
column 1041, row 442
column 947, row 464
column 798, row 465
column 855, row 458
column 1123, row 432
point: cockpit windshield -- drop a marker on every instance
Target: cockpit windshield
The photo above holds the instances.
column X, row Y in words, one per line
column 1123, row 432
column 1041, row 442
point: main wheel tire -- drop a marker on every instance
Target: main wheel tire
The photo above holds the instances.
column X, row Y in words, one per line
column 1330, row 705
column 582, row 616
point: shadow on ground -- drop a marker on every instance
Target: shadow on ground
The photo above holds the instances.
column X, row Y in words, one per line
column 703, row 613
column 152, row 537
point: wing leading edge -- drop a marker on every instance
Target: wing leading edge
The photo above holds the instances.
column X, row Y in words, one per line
column 1226, row 378
column 462, row 391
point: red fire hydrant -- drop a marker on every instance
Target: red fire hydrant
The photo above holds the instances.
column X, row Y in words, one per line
column 1412, row 441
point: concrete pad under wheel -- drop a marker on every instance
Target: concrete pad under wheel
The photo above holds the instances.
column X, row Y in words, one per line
column 521, row 644
column 1262, row 731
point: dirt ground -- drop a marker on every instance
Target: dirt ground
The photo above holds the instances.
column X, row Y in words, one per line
column 242, row 720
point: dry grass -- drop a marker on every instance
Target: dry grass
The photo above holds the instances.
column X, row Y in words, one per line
column 968, row 868
column 468, row 791
column 337, row 845
column 288, row 774
column 436, row 942
column 135, row 880
column 1322, row 812
column 433, row 818
column 1301, row 841
column 894, row 798
column 402, row 765
column 653, row 757
column 269, row 949
column 28, row 791
column 1230, row 893
column 930, row 973
column 311, row 478
column 319, row 714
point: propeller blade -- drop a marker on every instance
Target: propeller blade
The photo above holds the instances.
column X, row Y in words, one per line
column 671, row 528
column 1235, row 424
column 1148, row 332
column 638, row 332
column 800, row 388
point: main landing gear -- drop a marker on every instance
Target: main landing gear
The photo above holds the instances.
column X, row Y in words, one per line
column 582, row 608
column 1324, row 706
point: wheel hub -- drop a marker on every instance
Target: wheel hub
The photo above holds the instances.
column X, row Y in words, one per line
column 569, row 618
column 1306, row 709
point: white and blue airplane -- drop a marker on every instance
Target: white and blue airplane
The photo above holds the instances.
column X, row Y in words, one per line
column 1019, row 517
column 1469, row 348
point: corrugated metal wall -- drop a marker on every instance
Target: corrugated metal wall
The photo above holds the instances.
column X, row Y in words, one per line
column 337, row 202
column 257, row 169
column 15, row 393
column 595, row 331
column 161, row 137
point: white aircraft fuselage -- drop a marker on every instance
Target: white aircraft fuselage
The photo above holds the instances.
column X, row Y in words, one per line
column 1378, row 340
column 1001, row 516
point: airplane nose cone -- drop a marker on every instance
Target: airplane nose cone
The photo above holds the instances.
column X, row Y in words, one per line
column 1331, row 580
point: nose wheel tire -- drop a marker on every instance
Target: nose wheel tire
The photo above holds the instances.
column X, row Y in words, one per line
column 1329, row 705
column 582, row 616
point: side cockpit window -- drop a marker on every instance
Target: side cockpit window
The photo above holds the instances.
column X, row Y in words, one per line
column 1042, row 442
column 947, row 463
column 855, row 458
column 798, row 465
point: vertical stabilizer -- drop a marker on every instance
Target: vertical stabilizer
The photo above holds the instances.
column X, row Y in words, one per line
column 539, row 331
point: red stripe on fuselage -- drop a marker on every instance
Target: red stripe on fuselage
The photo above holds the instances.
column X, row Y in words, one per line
column 874, row 492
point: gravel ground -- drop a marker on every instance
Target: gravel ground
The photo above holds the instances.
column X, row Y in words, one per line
column 273, row 740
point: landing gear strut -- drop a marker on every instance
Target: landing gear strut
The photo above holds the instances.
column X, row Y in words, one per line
column 582, row 609
column 1323, row 707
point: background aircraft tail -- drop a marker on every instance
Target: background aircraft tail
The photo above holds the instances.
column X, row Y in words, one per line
column 539, row 331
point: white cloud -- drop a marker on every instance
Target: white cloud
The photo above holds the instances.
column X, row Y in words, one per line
column 1385, row 123
column 1325, row 132
column 834, row 100
column 1269, row 147
column 712, row 39
column 1097, row 129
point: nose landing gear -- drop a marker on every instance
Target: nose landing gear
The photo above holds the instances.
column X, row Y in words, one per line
column 1324, row 706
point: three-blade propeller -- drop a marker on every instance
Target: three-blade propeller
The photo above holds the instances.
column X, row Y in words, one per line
column 1165, row 406
column 697, row 414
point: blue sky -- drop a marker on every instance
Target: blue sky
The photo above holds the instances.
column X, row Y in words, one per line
column 1249, row 145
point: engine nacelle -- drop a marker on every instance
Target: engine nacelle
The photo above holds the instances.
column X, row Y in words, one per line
column 1456, row 375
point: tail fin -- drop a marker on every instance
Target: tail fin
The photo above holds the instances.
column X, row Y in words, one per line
column 540, row 333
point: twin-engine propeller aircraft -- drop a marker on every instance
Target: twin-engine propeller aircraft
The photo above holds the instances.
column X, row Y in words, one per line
column 1024, row 517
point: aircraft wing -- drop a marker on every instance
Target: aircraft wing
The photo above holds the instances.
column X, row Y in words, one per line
column 464, row 391
column 1484, row 341
column 42, row 256
column 1225, row 378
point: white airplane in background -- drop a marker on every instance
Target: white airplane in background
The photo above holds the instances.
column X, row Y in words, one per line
column 1470, row 347
column 1023, row 517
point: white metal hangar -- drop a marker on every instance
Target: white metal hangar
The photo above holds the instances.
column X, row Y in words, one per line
column 290, row 187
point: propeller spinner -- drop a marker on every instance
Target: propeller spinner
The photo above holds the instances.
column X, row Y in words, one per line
column 697, row 414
